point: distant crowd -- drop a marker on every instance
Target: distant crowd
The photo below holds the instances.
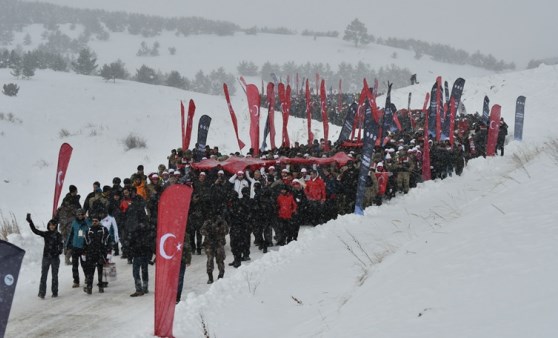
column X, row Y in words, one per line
column 264, row 206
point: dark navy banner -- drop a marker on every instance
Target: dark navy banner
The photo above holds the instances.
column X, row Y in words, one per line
column 347, row 128
column 456, row 92
column 10, row 263
column 203, row 130
column 432, row 111
column 485, row 109
column 370, row 135
column 519, row 116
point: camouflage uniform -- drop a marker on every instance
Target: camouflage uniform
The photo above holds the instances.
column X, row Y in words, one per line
column 214, row 231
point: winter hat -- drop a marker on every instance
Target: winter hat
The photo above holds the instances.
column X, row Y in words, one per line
column 73, row 188
column 171, row 171
column 106, row 188
column 140, row 167
column 380, row 164
column 303, row 170
column 296, row 181
column 240, row 172
column 165, row 172
column 271, row 168
column 221, row 172
column 202, row 173
column 177, row 172
column 116, row 180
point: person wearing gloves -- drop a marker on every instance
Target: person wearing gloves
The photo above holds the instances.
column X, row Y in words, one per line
column 54, row 245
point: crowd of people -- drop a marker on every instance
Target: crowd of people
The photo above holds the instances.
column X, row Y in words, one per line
column 265, row 206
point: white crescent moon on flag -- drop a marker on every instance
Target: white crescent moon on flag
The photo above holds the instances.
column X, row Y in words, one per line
column 59, row 179
column 162, row 246
column 491, row 127
column 257, row 110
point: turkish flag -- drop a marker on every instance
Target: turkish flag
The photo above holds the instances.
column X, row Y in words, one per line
column 254, row 100
column 183, row 124
column 233, row 116
column 493, row 129
column 271, row 113
column 63, row 161
column 189, row 124
column 324, row 115
column 174, row 205
column 309, row 114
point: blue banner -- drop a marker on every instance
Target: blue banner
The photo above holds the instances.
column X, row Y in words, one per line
column 370, row 135
column 485, row 109
column 203, row 130
column 456, row 92
column 519, row 116
column 10, row 263
column 348, row 124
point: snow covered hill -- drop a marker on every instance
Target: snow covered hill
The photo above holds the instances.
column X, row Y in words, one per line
column 469, row 256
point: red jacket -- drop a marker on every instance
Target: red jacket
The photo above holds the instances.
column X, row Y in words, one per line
column 315, row 189
column 286, row 206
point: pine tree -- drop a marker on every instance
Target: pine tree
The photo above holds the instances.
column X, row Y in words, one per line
column 86, row 62
column 115, row 70
column 146, row 75
column 175, row 80
column 356, row 32
column 29, row 65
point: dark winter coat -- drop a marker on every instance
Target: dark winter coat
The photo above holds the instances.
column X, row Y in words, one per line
column 54, row 243
column 96, row 241
column 76, row 237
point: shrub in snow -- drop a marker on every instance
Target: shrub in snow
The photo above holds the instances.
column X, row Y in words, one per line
column 133, row 141
column 10, row 89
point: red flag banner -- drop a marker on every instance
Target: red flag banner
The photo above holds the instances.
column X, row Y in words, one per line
column 183, row 124
column 493, row 129
column 309, row 113
column 189, row 124
column 285, row 141
column 452, row 120
column 271, row 112
column 173, row 208
column 233, row 116
column 253, row 96
column 63, row 160
column 324, row 114
column 426, row 174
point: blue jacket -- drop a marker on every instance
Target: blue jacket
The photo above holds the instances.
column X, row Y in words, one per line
column 76, row 237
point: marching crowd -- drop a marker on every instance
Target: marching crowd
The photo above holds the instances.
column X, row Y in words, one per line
column 265, row 206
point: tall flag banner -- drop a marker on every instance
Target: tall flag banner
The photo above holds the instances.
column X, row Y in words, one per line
column 426, row 173
column 452, row 121
column 203, row 130
column 360, row 110
column 324, row 115
column 11, row 257
column 233, row 116
column 485, row 109
column 183, row 124
column 189, row 124
column 368, row 148
column 253, row 96
column 243, row 82
column 447, row 95
column 348, row 123
column 387, row 121
column 396, row 117
column 63, row 160
column 266, row 132
column 411, row 119
column 172, row 219
column 519, row 117
column 309, row 113
column 288, row 80
column 271, row 113
column 432, row 112
column 376, row 85
column 439, row 108
column 339, row 98
column 449, row 119
column 285, row 142
column 493, row 128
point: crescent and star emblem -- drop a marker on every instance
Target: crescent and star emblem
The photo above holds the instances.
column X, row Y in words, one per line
column 59, row 178
column 162, row 246
column 491, row 126
column 256, row 110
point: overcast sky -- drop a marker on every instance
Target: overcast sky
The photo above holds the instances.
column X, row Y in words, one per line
column 511, row 30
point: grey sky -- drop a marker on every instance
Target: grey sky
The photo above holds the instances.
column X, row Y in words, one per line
column 511, row 30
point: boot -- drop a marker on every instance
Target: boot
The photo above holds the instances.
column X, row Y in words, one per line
column 236, row 263
column 136, row 294
column 101, row 289
column 221, row 274
column 210, row 280
column 75, row 285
